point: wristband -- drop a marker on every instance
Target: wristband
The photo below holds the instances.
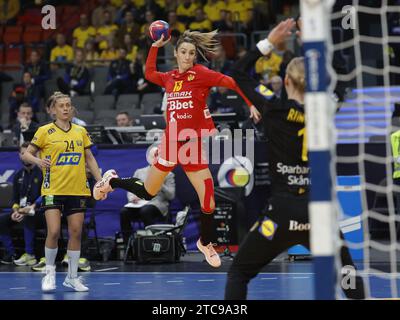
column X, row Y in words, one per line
column 265, row 46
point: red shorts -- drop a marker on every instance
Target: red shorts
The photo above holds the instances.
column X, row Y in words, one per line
column 189, row 154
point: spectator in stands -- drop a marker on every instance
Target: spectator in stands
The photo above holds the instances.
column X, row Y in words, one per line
column 75, row 118
column 109, row 54
column 27, row 183
column 106, row 31
column 288, row 55
column 151, row 211
column 239, row 9
column 268, row 66
column 76, row 77
column 139, row 83
column 220, row 63
column 123, row 119
column 225, row 23
column 24, row 123
column 24, row 92
column 174, row 23
column 276, row 84
column 241, row 52
column 154, row 7
column 119, row 76
column 9, row 12
column 217, row 103
column 62, row 53
column 186, row 11
column 39, row 70
column 200, row 22
column 212, row 9
column 130, row 47
column 92, row 56
column 150, row 17
column 249, row 25
column 126, row 7
column 170, row 5
column 169, row 50
column 128, row 27
column 83, row 33
column 98, row 13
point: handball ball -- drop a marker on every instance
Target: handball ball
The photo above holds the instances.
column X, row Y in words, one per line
column 157, row 28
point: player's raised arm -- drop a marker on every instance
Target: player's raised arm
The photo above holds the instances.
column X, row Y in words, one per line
column 151, row 74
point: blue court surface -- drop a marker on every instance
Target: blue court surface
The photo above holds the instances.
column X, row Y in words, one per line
column 110, row 285
column 155, row 286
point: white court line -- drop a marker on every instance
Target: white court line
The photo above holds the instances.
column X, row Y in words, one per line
column 300, row 277
column 175, row 281
column 18, row 288
column 270, row 278
column 111, row 284
column 143, row 282
column 107, row 269
column 206, row 280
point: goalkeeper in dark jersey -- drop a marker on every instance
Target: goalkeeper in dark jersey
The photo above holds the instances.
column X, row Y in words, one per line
column 286, row 222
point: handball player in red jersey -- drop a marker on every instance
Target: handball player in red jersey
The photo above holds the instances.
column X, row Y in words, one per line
column 188, row 120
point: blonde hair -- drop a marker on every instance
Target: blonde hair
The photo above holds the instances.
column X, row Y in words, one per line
column 204, row 42
column 296, row 72
column 54, row 97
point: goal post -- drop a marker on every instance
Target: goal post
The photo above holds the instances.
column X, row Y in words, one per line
column 319, row 121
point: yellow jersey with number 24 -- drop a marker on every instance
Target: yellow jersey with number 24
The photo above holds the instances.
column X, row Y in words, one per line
column 66, row 151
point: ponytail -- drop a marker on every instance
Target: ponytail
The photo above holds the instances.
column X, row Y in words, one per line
column 204, row 42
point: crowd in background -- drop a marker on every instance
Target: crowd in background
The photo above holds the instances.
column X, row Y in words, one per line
column 115, row 36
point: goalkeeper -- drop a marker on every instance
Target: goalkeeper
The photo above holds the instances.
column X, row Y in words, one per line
column 286, row 222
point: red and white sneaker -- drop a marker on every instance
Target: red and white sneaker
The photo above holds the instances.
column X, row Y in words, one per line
column 102, row 187
column 210, row 254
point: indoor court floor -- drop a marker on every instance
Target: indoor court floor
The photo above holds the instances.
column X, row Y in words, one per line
column 190, row 279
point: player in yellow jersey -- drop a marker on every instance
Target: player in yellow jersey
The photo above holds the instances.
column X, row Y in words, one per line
column 64, row 150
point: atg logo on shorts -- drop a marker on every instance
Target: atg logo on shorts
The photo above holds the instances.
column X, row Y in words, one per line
column 68, row 159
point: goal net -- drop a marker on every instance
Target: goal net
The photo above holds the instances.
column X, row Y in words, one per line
column 362, row 56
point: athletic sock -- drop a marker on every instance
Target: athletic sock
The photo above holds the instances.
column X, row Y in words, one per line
column 134, row 185
column 50, row 255
column 73, row 261
column 207, row 231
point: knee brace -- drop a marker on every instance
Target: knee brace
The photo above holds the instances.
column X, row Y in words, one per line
column 208, row 196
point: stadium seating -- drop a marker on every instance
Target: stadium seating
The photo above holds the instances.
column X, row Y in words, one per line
column 14, row 56
column 105, row 117
column 150, row 101
column 51, row 86
column 12, row 35
column 86, row 116
column 81, row 102
column 127, row 102
column 42, row 117
column 100, row 74
column 32, row 34
column 103, row 102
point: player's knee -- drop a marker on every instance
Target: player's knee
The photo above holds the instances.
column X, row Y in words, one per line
column 53, row 234
column 75, row 232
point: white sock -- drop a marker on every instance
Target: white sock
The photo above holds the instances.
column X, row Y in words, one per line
column 73, row 260
column 50, row 255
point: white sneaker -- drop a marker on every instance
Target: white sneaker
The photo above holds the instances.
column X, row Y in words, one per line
column 49, row 280
column 102, row 187
column 26, row 260
column 75, row 283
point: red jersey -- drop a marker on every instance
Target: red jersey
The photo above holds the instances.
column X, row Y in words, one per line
column 186, row 97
